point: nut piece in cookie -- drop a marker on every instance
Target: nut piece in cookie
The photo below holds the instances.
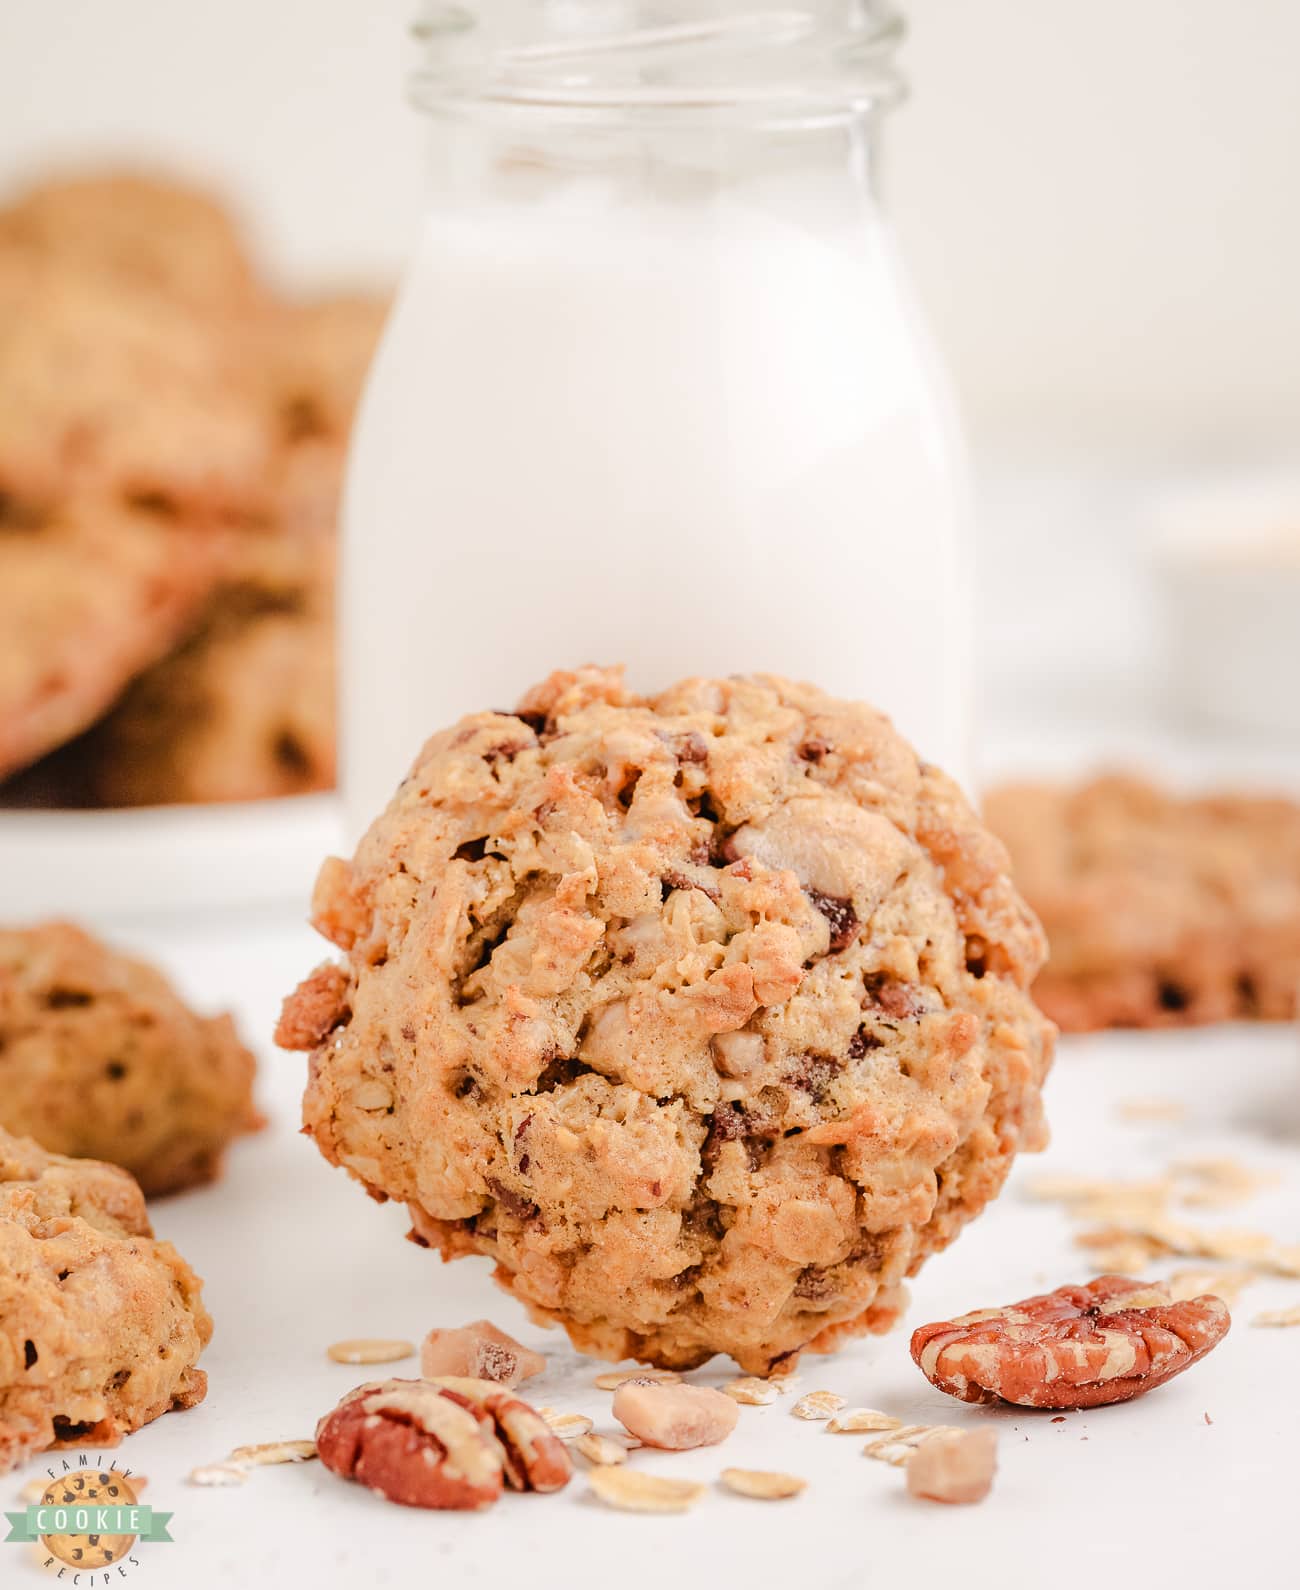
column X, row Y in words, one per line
column 99, row 1057
column 954, row 1466
column 1077, row 1347
column 675, row 1418
column 479, row 1351
column 101, row 1326
column 708, row 1043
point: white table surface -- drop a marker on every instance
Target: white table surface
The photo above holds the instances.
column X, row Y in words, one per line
column 295, row 1256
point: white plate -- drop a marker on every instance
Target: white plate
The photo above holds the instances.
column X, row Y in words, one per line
column 104, row 865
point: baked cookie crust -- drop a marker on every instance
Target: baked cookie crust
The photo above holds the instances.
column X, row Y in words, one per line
column 101, row 1325
column 703, row 1015
column 100, row 1058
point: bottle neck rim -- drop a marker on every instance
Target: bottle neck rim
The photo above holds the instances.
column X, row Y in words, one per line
column 769, row 67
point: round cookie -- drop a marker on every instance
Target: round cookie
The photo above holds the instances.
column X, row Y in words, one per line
column 99, row 1057
column 703, row 1015
column 144, row 230
column 108, row 388
column 101, row 1326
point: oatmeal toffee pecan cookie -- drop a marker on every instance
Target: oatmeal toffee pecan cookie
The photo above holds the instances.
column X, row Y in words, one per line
column 100, row 1325
column 1162, row 910
column 99, row 1056
column 703, row 1015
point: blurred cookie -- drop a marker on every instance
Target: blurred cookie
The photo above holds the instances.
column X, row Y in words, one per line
column 100, row 1057
column 112, row 389
column 1160, row 910
column 323, row 349
column 145, row 230
column 101, row 1326
column 90, row 594
column 243, row 711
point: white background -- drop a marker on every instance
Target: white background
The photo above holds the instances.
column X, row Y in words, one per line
column 1098, row 197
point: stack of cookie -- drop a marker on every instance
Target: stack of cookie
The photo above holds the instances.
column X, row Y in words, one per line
column 171, row 447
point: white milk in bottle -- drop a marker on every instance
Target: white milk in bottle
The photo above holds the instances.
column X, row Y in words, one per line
column 654, row 391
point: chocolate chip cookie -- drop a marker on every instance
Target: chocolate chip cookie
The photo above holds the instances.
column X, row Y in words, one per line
column 703, row 1015
column 101, row 1326
column 99, row 1057
column 1161, row 910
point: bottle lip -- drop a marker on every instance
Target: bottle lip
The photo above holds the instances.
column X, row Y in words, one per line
column 769, row 66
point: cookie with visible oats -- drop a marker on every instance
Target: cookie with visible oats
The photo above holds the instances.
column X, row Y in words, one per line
column 704, row 1014
column 101, row 1326
column 1160, row 910
column 99, row 1057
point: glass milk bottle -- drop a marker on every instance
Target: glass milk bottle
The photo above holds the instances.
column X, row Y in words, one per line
column 654, row 390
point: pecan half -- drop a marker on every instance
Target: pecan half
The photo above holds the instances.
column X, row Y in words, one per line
column 1077, row 1347
column 533, row 1457
column 410, row 1444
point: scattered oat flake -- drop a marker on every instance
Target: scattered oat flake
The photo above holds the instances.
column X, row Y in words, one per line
column 1226, row 1284
column 751, row 1390
column 367, row 1350
column 1278, row 1317
column 1092, row 1190
column 858, row 1420
column 274, row 1452
column 635, row 1492
column 1151, row 1109
column 616, row 1377
column 817, row 1405
column 762, row 1484
column 568, row 1426
column 218, row 1474
column 1221, row 1182
column 898, row 1446
column 600, row 1450
column 1196, row 1242
column 1285, row 1261
column 1127, row 1257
